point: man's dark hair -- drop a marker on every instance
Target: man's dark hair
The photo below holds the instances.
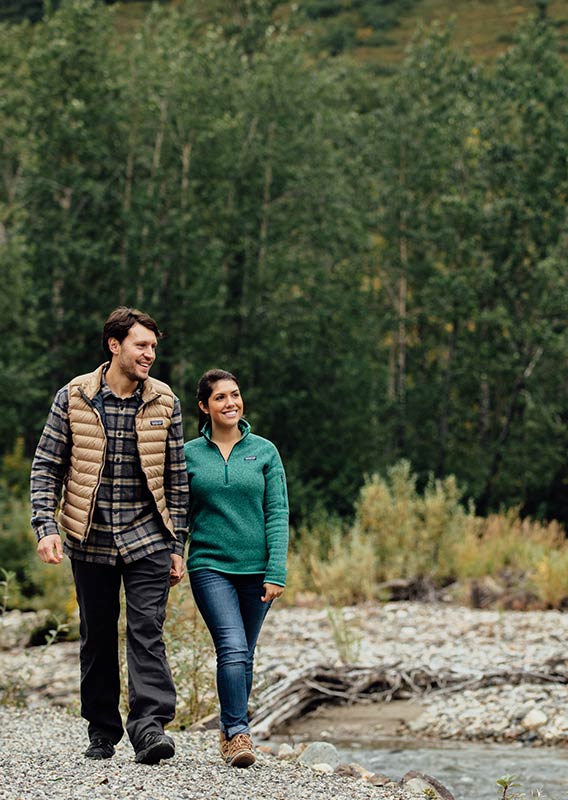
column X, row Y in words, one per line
column 121, row 320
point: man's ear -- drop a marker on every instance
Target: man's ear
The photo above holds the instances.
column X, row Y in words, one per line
column 113, row 345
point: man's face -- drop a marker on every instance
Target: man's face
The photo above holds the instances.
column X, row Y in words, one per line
column 136, row 353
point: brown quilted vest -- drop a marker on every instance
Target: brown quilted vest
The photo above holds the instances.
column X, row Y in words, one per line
column 88, row 450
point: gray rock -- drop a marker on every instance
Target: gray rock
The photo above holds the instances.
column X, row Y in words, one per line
column 16, row 627
column 320, row 753
column 418, row 784
column 534, row 719
column 286, row 751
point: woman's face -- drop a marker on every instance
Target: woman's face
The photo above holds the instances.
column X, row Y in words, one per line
column 225, row 406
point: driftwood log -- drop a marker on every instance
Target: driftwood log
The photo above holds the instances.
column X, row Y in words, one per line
column 304, row 689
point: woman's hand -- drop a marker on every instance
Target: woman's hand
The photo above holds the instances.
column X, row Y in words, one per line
column 271, row 592
column 177, row 570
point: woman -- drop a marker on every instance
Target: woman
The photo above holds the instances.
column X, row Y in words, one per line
column 239, row 541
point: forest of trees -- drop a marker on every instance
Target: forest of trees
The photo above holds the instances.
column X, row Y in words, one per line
column 382, row 262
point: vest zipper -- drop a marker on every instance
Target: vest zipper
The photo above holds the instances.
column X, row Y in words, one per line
column 94, row 497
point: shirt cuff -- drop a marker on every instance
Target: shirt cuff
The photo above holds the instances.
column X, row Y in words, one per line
column 46, row 529
column 178, row 545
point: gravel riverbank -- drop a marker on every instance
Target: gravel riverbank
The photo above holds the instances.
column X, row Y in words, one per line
column 520, row 656
column 524, row 700
column 41, row 759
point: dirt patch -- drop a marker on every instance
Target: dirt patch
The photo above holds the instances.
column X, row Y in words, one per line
column 366, row 722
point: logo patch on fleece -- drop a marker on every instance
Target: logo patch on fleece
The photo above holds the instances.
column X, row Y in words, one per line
column 156, row 422
column 249, row 458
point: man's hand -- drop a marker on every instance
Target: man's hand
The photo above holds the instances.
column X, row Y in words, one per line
column 177, row 571
column 50, row 549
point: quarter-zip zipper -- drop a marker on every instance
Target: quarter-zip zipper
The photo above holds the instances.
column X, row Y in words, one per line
column 225, row 461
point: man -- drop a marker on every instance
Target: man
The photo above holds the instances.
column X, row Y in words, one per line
column 113, row 442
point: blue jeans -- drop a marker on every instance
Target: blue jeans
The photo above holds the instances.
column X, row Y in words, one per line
column 234, row 613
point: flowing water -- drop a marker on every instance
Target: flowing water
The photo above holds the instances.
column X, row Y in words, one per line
column 469, row 770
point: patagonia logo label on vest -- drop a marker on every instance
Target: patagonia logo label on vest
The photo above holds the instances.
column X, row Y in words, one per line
column 249, row 458
column 156, row 422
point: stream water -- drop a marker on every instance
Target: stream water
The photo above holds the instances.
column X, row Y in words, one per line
column 469, row 770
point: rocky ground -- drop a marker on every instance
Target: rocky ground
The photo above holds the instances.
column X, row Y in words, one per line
column 41, row 759
column 523, row 653
column 528, row 646
column 524, row 698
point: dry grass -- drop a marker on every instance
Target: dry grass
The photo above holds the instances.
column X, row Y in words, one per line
column 485, row 27
column 505, row 542
column 428, row 538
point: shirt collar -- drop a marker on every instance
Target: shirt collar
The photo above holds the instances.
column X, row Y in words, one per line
column 106, row 391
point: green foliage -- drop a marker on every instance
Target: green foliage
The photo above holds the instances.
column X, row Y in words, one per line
column 28, row 582
column 19, row 10
column 14, row 472
column 506, row 784
column 17, row 545
column 382, row 263
column 342, row 22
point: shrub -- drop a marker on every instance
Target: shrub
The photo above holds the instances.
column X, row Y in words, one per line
column 401, row 533
column 35, row 585
column 309, row 543
column 347, row 575
column 550, row 578
column 505, row 543
column 414, row 535
column 17, row 546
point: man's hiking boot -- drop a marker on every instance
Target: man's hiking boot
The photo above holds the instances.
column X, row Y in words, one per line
column 154, row 747
column 100, row 748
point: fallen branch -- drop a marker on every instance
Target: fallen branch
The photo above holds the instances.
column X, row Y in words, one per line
column 304, row 689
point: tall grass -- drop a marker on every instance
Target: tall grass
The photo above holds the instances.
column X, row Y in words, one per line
column 191, row 657
column 430, row 537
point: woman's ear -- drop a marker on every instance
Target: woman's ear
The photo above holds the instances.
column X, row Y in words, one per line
column 203, row 407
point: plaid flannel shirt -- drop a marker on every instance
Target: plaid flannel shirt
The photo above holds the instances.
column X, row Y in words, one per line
column 126, row 522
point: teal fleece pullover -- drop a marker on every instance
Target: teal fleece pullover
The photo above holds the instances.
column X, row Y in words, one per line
column 238, row 507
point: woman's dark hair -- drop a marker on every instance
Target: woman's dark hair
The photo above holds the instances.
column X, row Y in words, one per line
column 205, row 388
column 121, row 320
